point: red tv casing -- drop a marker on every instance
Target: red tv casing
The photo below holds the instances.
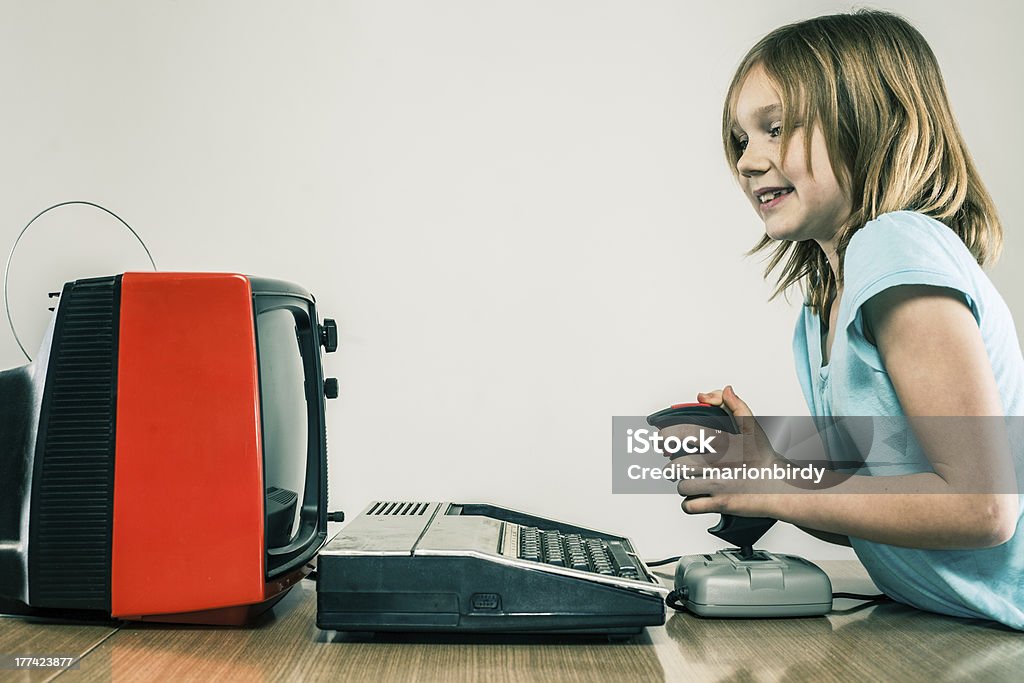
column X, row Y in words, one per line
column 188, row 509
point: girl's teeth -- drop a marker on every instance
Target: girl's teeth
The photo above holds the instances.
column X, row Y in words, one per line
column 769, row 196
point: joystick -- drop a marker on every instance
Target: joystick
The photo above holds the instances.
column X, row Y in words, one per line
column 741, row 582
column 743, row 532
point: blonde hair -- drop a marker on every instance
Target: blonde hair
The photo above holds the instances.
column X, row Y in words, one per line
column 872, row 83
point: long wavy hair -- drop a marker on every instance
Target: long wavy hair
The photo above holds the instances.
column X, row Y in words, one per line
column 873, row 85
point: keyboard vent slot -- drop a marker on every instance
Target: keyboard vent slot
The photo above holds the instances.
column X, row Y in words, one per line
column 397, row 508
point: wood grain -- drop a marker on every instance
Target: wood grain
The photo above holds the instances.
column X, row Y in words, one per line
column 19, row 637
column 882, row 642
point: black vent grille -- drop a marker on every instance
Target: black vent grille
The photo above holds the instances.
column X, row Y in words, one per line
column 73, row 483
column 398, row 508
column 282, row 496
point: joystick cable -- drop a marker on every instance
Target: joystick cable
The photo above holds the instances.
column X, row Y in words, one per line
column 676, row 599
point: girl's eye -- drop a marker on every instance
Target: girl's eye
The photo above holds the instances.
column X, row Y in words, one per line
column 741, row 144
column 775, row 130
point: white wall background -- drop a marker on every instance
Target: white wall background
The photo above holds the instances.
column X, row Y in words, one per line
column 518, row 212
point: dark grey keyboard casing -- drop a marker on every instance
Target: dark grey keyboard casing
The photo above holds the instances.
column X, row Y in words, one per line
column 403, row 566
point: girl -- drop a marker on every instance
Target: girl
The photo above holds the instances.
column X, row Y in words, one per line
column 841, row 136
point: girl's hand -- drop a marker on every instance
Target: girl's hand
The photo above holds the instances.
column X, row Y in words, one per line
column 704, row 487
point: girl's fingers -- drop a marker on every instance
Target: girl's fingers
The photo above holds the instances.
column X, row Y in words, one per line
column 699, row 505
column 734, row 403
column 712, row 397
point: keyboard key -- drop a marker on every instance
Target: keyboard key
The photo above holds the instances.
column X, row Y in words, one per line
column 529, row 544
column 553, row 548
column 580, row 562
column 623, row 564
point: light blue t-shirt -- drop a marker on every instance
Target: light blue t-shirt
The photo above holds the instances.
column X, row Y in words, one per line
column 906, row 248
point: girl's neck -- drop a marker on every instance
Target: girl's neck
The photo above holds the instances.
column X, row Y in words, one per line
column 829, row 247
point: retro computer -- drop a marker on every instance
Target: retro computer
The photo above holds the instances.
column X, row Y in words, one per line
column 165, row 459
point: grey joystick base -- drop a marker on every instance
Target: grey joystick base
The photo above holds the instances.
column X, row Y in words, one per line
column 763, row 584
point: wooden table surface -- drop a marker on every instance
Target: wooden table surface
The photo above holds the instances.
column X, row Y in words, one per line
column 881, row 642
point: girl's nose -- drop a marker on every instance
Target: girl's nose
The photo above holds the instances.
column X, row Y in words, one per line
column 753, row 161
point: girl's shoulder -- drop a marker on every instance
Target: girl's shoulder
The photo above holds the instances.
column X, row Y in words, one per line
column 906, row 232
column 906, row 247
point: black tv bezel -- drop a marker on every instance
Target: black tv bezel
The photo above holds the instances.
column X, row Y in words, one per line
column 268, row 295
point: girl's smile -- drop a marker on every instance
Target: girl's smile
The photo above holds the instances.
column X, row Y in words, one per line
column 769, row 197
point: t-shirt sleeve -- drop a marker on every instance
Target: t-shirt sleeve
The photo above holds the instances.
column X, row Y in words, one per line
column 903, row 248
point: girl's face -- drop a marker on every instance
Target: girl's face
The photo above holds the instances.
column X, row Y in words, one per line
column 793, row 205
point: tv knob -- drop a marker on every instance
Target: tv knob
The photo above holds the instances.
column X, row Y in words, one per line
column 331, row 387
column 329, row 335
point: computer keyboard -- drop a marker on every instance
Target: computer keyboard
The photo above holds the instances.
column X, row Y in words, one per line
column 415, row 566
column 573, row 550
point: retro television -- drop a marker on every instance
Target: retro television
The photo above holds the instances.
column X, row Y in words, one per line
column 164, row 457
